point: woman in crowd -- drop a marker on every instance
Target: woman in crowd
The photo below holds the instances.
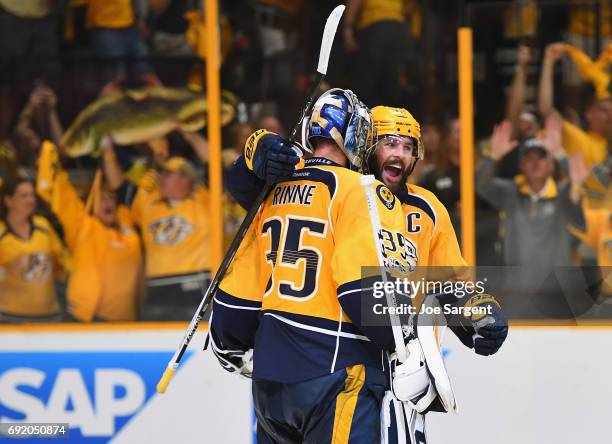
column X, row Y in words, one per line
column 30, row 252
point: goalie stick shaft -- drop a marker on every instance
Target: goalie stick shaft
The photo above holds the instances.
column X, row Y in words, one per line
column 329, row 32
column 367, row 182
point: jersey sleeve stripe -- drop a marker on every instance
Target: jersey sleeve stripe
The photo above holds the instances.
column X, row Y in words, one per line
column 237, row 307
column 417, row 201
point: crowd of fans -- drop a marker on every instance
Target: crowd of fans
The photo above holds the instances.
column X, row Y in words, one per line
column 124, row 237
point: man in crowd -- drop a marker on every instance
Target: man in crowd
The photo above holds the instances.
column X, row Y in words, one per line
column 170, row 209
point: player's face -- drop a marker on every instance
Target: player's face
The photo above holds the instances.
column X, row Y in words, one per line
column 107, row 209
column 174, row 185
column 393, row 160
column 23, row 201
column 535, row 165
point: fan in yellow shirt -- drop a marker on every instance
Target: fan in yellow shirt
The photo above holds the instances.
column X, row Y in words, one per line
column 29, row 249
column 171, row 211
column 106, row 260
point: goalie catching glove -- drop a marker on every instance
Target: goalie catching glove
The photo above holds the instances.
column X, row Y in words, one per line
column 270, row 157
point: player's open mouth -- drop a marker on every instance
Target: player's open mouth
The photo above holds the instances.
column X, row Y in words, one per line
column 393, row 170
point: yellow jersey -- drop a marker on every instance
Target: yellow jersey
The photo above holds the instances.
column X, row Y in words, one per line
column 300, row 273
column 26, row 270
column 175, row 234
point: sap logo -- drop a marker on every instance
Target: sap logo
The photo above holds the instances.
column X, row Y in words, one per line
column 96, row 392
column 69, row 400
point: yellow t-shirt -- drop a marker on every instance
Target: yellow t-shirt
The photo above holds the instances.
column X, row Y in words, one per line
column 106, row 261
column 175, row 234
column 593, row 148
column 110, row 14
column 373, row 11
column 27, row 290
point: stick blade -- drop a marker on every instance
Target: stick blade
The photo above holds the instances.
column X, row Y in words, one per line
column 331, row 25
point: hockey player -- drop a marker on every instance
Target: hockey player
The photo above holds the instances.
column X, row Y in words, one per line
column 294, row 291
column 427, row 223
column 429, row 228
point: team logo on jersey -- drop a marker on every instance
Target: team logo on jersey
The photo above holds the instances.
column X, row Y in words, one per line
column 170, row 230
column 37, row 269
column 386, row 196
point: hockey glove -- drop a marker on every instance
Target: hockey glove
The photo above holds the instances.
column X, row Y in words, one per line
column 270, row 156
column 239, row 362
column 484, row 332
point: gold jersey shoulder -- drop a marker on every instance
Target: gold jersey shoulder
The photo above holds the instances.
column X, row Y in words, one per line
column 429, row 228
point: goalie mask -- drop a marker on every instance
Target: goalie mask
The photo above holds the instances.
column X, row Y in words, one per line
column 338, row 115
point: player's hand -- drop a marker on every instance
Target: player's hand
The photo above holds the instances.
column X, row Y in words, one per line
column 490, row 329
column 239, row 362
column 554, row 52
column 270, row 156
column 501, row 140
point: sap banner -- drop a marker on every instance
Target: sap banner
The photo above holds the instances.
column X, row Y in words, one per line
column 101, row 380
column 546, row 385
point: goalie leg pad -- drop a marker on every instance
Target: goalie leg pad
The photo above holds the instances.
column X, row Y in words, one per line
column 400, row 424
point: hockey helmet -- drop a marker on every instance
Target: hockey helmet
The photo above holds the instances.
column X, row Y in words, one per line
column 340, row 116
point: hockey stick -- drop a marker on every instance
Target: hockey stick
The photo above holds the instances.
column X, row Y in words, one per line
column 331, row 25
column 367, row 182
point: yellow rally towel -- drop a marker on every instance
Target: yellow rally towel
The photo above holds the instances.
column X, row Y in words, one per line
column 595, row 72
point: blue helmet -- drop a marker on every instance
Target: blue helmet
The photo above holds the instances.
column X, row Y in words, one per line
column 338, row 115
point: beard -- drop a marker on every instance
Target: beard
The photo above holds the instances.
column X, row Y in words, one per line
column 396, row 187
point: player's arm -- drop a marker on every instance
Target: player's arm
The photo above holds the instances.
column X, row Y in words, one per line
column 236, row 308
column 445, row 252
column 266, row 157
